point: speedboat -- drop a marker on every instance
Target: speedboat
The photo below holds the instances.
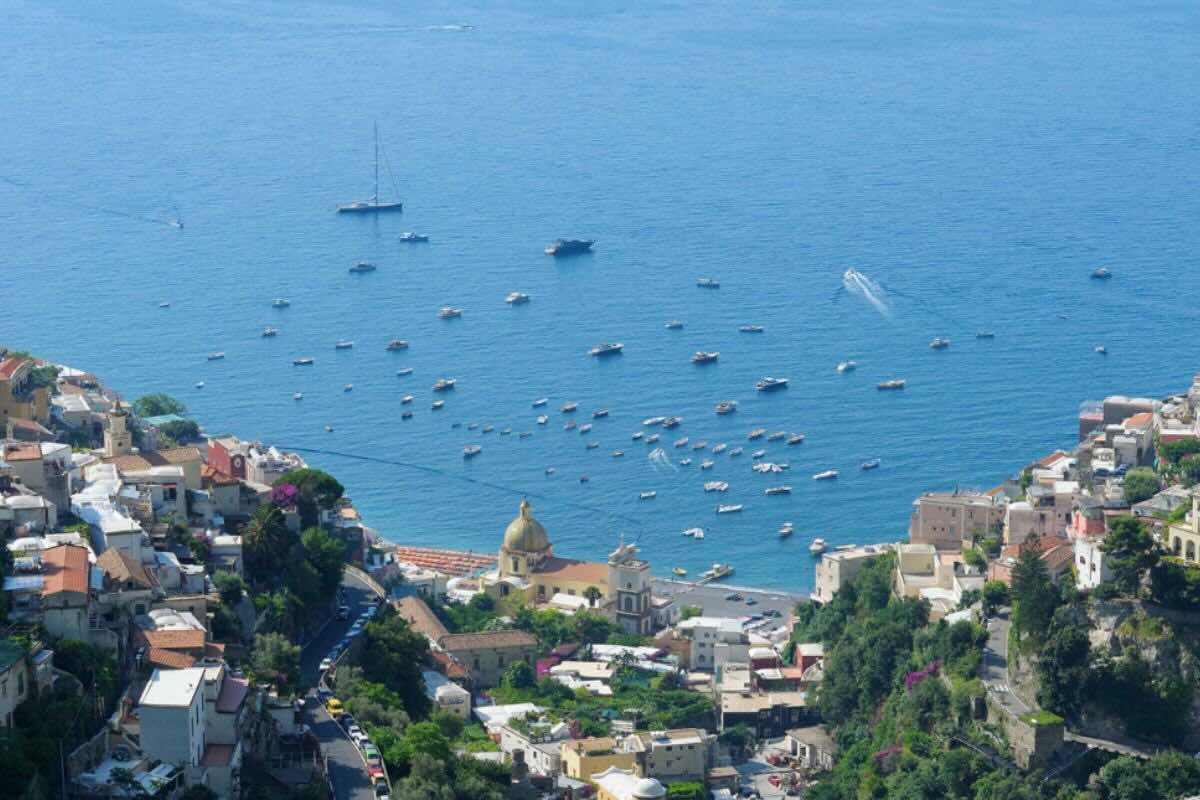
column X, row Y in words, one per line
column 681, row 442
column 651, row 421
column 774, row 490
column 685, row 462
column 776, row 436
column 737, row 451
column 680, row 571
column 449, row 312
column 1101, row 273
column 217, row 356
column 397, row 344
column 757, row 454
column 730, row 509
column 408, row 398
column 268, row 332
column 406, row 415
column 702, row 357
column 569, row 406
column 542, row 419
column 708, row 283
column 1101, row 349
column 637, row 435
column 297, row 396
column 541, row 401
column 647, row 495
column 363, row 266
column 593, row 446
column 827, row 475
column 870, row 463
column 939, row 343
column 617, row 453
column 674, row 325
column 606, row 349
column 751, row 328
column 585, row 428
column 343, row 344
column 347, row 387
column 199, row 384
column 600, row 413
column 716, row 486
column 707, row 463
column 472, row 450
column 652, row 438
column 444, row 384
column 472, row 426
column 329, row 429
column 438, row 405
column 280, row 302
column 985, row 335
column 164, row 304
column 409, row 236
column 891, row 384
column 455, row 425
column 769, row 384
column 401, row 373
column 786, row 529
column 796, row 438
column 757, row 433
column 847, row 366
column 302, row 362
column 719, row 448
column 700, row 445
column 695, row 533
column 817, row 547
column 516, row 298
column 718, row 571
column 568, row 247
column 672, row 422
column 549, row 470
column 726, row 407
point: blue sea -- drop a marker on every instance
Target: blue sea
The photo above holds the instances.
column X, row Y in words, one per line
column 977, row 161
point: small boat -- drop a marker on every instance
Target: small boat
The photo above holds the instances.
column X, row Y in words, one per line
column 397, row 344
column 543, row 419
column 404, row 372
column 606, row 349
column 985, row 335
column 506, row 432
column 438, row 405
column 769, row 384
column 1101, row 349
column 268, row 332
column 164, row 304
column 774, row 490
column 719, row 448
column 891, row 384
column 297, row 396
column 647, row 495
column 674, row 325
column 726, row 407
column 716, row 486
column 685, row 462
column 700, row 445
column 682, row 442
column 570, row 425
column 757, row 454
column 406, row 415
column 455, row 425
column 817, row 547
column 702, row 357
column 695, row 533
column 870, row 463
column 757, row 433
column 549, row 470
column 651, row 421
column 217, row 356
column 680, row 571
column 600, row 413
column 786, row 529
column 472, row 426
column 847, row 366
column 199, row 384
column 569, row 406
column 280, row 302
column 408, row 398
column 737, row 451
column 617, row 453
column 329, row 429
column 472, row 450
column 409, row 236
column 730, row 509
column 718, row 571
column 938, row 343
column 516, row 298
column 707, row 463
column 541, row 401
column 652, row 438
column 593, row 446
column 444, row 384
column 449, row 312
column 751, row 328
column 568, row 247
column 363, row 266
column 302, row 362
column 708, row 283
column 776, row 436
column 1101, row 273
column 796, row 438
column 672, row 422
column 488, row 428
column 347, row 387
column 524, row 435
column 637, row 435
column 343, row 344
column 587, row 428
column 827, row 475
column 584, row 479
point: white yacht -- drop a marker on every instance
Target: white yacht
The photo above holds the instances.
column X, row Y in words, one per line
column 647, row 495
column 586, row 428
column 569, row 406
column 472, row 450
column 757, row 433
column 847, row 366
column 401, row 373
column 774, row 490
column 199, row 384
column 408, row 398
column 695, row 533
column 700, row 445
column 438, row 405
column 681, row 442
column 674, row 325
column 827, row 475
column 637, row 435
column 786, row 530
column 718, row 571
column 280, row 302
column 346, row 387
column 297, row 396
column 716, row 486
column 541, row 401
column 707, row 463
column 217, row 356
column 796, row 438
column 449, row 312
column 268, row 332
column 543, row 419
column 776, row 436
column 730, row 509
column 343, row 344
column 939, row 343
column 719, row 448
column 444, row 384
column 817, row 547
column 726, row 407
column 737, row 451
column 651, row 421
column 652, row 438
column 516, row 298
column 397, row 344
column 757, row 454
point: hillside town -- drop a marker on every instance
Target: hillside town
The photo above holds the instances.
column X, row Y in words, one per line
column 191, row 615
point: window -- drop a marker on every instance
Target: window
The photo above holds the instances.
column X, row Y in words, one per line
column 476, row 662
column 516, row 565
column 20, row 683
column 500, row 660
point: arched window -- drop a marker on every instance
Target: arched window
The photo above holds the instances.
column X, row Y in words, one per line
column 516, row 565
column 629, row 604
column 1176, row 545
column 1190, row 551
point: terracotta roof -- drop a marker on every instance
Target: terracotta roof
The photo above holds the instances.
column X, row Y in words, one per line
column 217, row 755
column 447, row 665
column 449, row 562
column 9, row 366
column 420, row 617
column 212, row 475
column 214, row 650
column 1137, row 420
column 1058, row 558
column 29, row 424
column 65, row 569
column 568, row 569
column 169, row 659
column 486, row 640
column 175, row 640
column 23, row 452
column 123, row 569
column 1050, row 459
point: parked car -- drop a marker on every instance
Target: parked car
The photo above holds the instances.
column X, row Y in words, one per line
column 381, row 792
column 324, row 694
column 345, row 719
column 326, row 664
column 375, row 771
column 750, row 601
column 773, row 612
column 370, row 751
column 334, row 706
column 355, row 733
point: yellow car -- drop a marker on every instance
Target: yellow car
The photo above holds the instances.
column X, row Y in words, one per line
column 334, row 706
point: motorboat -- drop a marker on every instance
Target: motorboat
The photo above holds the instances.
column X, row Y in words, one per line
column 409, row 236
column 549, row 470
column 757, row 454
column 695, row 533
column 584, row 479
column 444, row 384
column 769, row 384
column 685, row 462
column 718, row 571
column 796, row 438
column 707, row 463
column 647, row 495
column 776, row 436
column 700, row 445
column 199, row 384
column 716, row 486
column 674, row 325
column 302, row 362
column 347, row 387
column 401, row 373
column 870, row 463
column 449, row 312
column 938, row 343
column 757, row 433
column 737, row 451
column 472, row 426
column 343, row 344
column 617, row 453
column 652, row 421
column 329, row 429
column 570, row 425
column 397, row 344
column 297, row 396
column 719, row 448
column 488, row 428
column 680, row 571
column 817, row 547
column 408, row 398
column 541, row 401
column 516, row 298
column 702, row 357
column 607, row 349
column 217, row 356
column 652, row 438
column 774, row 490
column 280, row 302
column 593, row 446
column 1101, row 274
column 985, row 335
column 438, row 405
column 164, row 304
column 891, row 384
column 847, row 366
column 708, row 283
column 585, row 428
column 472, row 450
column 751, row 328
column 600, row 413
column 681, row 442
column 730, row 509
column 363, row 266
column 726, row 407
column 524, row 435
column 543, row 419
column 637, row 435
column 268, row 332
column 568, row 247
column 569, row 406
column 827, row 475
column 672, row 422
column 765, row 467
column 1101, row 349
column 786, row 530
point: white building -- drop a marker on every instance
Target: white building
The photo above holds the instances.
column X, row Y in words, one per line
column 715, row 641
column 446, row 695
column 171, row 711
column 538, row 741
column 840, row 567
column 1091, row 567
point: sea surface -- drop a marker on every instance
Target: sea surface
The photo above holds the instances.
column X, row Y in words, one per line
column 977, row 161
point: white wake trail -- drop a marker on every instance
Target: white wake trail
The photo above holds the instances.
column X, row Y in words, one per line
column 857, row 283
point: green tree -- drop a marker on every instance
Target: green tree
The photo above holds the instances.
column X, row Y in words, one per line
column 592, row 628
column 1064, row 672
column 451, row 725
column 1167, row 775
column 1131, row 551
column 687, row 612
column 230, row 586
column 995, row 595
column 315, row 489
column 1141, row 483
column 427, row 738
column 426, row 780
column 593, row 595
column 156, row 405
column 686, row 790
column 518, row 675
column 266, row 545
column 277, row 661
column 1033, row 594
column 975, row 558
column 327, row 556
column 44, row 377
column 392, row 656
column 181, row 431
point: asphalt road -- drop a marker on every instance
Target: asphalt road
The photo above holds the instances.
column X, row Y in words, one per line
column 349, row 778
column 994, row 669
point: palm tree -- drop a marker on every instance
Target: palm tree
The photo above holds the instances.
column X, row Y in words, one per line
column 592, row 594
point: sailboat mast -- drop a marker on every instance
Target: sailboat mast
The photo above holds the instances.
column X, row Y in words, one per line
column 376, row 163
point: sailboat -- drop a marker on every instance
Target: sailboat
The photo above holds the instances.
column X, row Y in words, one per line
column 372, row 205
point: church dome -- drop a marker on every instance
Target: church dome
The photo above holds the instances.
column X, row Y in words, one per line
column 525, row 533
column 649, row 789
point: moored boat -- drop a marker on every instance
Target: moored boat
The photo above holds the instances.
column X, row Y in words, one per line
column 776, row 436
column 827, row 475
column 302, row 362
column 716, row 486
column 409, row 236
column 718, row 571
column 569, row 406
column 516, row 298
column 444, row 384
column 450, row 312
column 216, row 356
column 775, row 490
column 404, row 372
column 1101, row 273
column 681, row 442
column 703, row 357
column 568, row 247
column 730, row 509
column 708, row 283
column 796, row 438
column 757, row 433
column 268, row 332
column 786, row 530
column 870, row 463
column 541, row 401
column 751, row 328
column 680, row 571
column 607, row 349
column 472, row 450
column 647, row 495
column 707, row 463
column 817, row 547
column 847, row 366
column 363, row 266
column 397, row 344
column 938, row 343
column 280, row 302
column 343, row 344
column 674, row 325
column 600, row 413
column 769, row 384
column 891, row 384
column 726, row 407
